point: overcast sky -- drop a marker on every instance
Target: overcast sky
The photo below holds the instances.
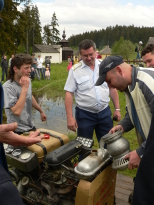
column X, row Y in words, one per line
column 78, row 16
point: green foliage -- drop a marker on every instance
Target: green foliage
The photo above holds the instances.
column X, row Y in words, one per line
column 51, row 35
column 32, row 27
column 16, row 25
column 47, row 35
column 54, row 31
column 21, row 49
column 109, row 35
column 124, row 48
column 9, row 27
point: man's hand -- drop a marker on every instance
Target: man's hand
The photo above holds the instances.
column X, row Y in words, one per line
column 43, row 116
column 9, row 137
column 134, row 159
column 24, row 82
column 117, row 114
column 72, row 124
column 116, row 128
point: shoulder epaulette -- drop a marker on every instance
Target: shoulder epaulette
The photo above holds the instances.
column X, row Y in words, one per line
column 74, row 67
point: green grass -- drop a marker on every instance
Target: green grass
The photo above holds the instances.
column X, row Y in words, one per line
column 54, row 88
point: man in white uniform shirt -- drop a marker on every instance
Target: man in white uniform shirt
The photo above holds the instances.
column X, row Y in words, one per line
column 92, row 102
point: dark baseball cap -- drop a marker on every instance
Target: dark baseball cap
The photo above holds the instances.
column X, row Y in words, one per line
column 106, row 65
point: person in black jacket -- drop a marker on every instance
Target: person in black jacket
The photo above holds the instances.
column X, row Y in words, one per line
column 144, row 185
column 4, row 65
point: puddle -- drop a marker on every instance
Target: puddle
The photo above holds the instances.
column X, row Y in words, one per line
column 55, row 112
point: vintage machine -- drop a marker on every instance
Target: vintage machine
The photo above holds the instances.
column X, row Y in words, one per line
column 47, row 173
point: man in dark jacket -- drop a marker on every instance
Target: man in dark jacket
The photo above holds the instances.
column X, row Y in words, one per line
column 4, row 65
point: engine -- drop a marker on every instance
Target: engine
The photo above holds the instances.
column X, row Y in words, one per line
column 49, row 173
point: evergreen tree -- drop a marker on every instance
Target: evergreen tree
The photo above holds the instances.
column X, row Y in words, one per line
column 36, row 25
column 10, row 29
column 109, row 35
column 47, row 35
column 32, row 27
column 54, row 31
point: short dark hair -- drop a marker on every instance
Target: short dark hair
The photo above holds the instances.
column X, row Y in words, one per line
column 148, row 49
column 18, row 61
column 86, row 44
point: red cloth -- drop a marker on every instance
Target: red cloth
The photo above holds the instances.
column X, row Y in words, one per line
column 69, row 66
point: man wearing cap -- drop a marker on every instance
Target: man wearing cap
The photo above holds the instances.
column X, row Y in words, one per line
column 138, row 85
column 148, row 55
column 92, row 103
column 139, row 48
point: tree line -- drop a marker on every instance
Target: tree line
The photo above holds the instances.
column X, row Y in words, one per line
column 109, row 35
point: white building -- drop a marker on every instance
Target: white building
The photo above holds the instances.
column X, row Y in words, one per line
column 48, row 50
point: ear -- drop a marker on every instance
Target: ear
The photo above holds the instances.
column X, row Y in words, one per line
column 15, row 69
column 119, row 70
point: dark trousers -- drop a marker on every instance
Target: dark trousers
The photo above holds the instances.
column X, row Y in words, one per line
column 144, row 181
column 9, row 194
column 4, row 72
column 44, row 69
column 88, row 122
column 1, row 4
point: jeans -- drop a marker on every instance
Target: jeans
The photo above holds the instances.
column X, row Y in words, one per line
column 138, row 56
column 4, row 71
column 37, row 73
column 40, row 70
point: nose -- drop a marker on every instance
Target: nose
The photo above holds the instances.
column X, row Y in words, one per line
column 89, row 57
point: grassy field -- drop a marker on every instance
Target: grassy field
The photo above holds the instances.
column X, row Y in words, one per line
column 54, row 88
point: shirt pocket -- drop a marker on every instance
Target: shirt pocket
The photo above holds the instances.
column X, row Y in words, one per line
column 83, row 83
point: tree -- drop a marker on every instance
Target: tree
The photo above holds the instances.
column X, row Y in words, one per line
column 47, row 35
column 32, row 27
column 54, row 31
column 36, row 25
column 125, row 48
column 10, row 30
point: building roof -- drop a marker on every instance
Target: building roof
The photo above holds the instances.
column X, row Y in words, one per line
column 64, row 40
column 46, row 48
column 106, row 51
column 67, row 49
column 151, row 40
column 57, row 46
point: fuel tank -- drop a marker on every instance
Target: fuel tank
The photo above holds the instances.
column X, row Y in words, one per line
column 46, row 146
